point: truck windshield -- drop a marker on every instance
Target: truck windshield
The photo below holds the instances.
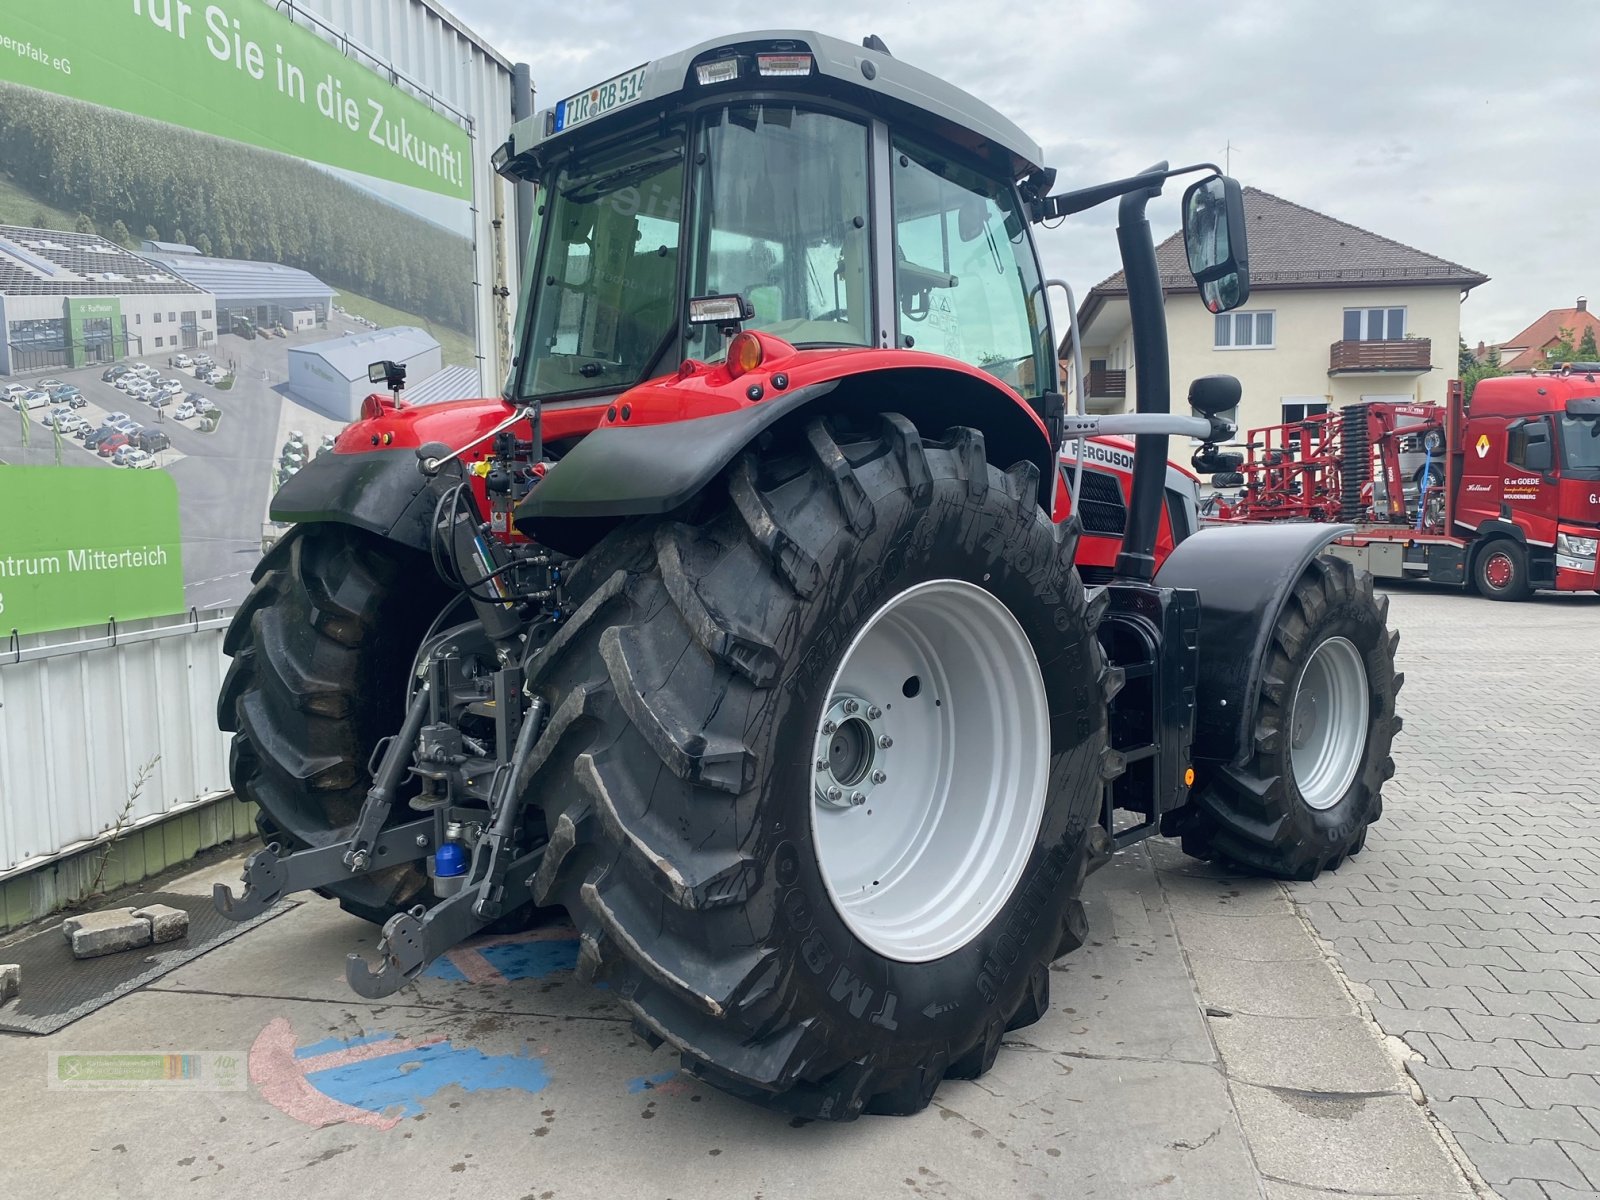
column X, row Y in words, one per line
column 1580, row 443
column 605, row 299
column 781, row 218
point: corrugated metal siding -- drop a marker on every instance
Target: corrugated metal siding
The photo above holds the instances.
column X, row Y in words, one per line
column 76, row 727
column 426, row 44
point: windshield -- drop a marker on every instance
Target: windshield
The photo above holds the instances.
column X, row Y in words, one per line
column 782, row 220
column 1580, row 443
column 604, row 302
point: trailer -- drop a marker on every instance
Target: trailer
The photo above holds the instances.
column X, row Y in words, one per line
column 1501, row 495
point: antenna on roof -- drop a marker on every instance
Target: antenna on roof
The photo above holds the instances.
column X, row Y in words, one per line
column 873, row 42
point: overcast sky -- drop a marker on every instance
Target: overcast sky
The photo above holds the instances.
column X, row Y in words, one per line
column 1468, row 130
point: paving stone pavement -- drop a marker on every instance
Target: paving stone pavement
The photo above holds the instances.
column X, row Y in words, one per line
column 1470, row 926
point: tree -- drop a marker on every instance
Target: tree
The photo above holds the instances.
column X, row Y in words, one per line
column 1587, row 351
column 203, row 244
column 1489, row 368
column 1465, row 360
column 120, row 234
column 150, row 233
column 1563, row 351
column 84, row 224
column 39, row 220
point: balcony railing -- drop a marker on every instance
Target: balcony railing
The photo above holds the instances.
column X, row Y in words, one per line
column 1109, row 385
column 1402, row 355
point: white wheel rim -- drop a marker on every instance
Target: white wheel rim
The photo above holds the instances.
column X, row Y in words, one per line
column 1328, row 723
column 927, row 796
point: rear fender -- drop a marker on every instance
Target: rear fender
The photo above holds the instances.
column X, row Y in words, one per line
column 381, row 491
column 620, row 471
column 1244, row 575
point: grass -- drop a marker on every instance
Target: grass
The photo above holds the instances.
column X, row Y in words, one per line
column 18, row 206
column 458, row 347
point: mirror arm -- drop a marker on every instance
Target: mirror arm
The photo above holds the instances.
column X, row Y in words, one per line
column 1049, row 208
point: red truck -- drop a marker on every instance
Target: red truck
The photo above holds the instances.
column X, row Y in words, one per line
column 1502, row 494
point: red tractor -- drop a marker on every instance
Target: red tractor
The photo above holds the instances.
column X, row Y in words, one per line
column 748, row 627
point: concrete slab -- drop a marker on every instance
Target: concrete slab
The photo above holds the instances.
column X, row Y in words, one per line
column 497, row 1074
column 1361, row 1144
column 1323, row 1054
column 1269, row 989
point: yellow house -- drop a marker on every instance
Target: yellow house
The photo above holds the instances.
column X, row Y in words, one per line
column 1336, row 315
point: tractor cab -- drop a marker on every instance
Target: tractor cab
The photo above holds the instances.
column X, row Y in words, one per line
column 787, row 183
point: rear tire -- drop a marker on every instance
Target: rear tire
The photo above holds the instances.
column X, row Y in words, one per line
column 1325, row 722
column 1227, row 479
column 321, row 650
column 681, row 787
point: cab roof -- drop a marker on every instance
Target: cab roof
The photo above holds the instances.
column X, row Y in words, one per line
column 1525, row 395
column 867, row 75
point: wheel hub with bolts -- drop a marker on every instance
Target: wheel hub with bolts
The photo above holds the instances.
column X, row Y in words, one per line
column 1328, row 723
column 922, row 834
column 852, row 752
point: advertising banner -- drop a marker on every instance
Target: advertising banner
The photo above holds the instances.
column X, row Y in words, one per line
column 211, row 221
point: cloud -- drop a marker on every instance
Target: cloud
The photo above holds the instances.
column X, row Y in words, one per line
column 1466, row 131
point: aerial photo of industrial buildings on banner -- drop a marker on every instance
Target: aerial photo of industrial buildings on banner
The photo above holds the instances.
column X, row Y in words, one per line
column 193, row 281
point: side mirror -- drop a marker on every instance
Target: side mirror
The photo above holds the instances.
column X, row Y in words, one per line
column 1215, row 240
column 1539, row 453
column 1212, row 395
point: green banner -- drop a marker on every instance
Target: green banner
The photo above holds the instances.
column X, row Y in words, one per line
column 238, row 69
column 79, row 545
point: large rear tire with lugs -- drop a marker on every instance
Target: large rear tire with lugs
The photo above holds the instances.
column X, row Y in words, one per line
column 322, row 648
column 822, row 761
column 1325, row 722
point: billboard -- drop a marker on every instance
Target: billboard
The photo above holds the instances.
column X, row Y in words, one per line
column 188, row 193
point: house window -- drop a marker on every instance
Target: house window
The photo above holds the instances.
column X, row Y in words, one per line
column 205, row 314
column 158, row 343
column 1299, row 410
column 172, row 316
column 1244, row 331
column 1374, row 324
column 1295, row 411
column 138, row 319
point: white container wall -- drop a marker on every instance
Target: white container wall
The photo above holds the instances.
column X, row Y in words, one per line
column 435, row 58
column 82, row 715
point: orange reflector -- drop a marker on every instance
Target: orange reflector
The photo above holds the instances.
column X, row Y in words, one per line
column 1188, row 777
column 744, row 354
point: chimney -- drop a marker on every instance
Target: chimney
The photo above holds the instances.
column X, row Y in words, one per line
column 1482, row 351
column 1583, row 304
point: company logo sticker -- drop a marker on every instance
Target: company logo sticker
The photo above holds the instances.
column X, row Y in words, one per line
column 1483, row 445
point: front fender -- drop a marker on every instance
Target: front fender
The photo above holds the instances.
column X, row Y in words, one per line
column 1244, row 575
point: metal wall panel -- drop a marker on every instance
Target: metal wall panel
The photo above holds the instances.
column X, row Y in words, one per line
column 79, row 720
column 438, row 59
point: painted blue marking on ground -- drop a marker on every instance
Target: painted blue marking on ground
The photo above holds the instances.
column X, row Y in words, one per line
column 532, row 960
column 645, row 1082
column 404, row 1079
column 443, row 968
column 329, row 1045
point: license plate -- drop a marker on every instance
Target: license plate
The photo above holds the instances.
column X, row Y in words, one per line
column 600, row 99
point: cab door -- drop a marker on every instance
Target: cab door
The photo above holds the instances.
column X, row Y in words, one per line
column 1530, row 489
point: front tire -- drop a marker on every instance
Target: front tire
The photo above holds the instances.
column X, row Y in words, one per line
column 769, row 932
column 1500, row 571
column 1325, row 722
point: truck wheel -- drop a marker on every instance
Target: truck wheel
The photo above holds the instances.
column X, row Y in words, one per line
column 321, row 649
column 822, row 762
column 1324, row 725
column 1227, row 479
column 1500, row 571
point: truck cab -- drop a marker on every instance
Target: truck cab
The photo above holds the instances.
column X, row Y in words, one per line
column 1529, row 455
